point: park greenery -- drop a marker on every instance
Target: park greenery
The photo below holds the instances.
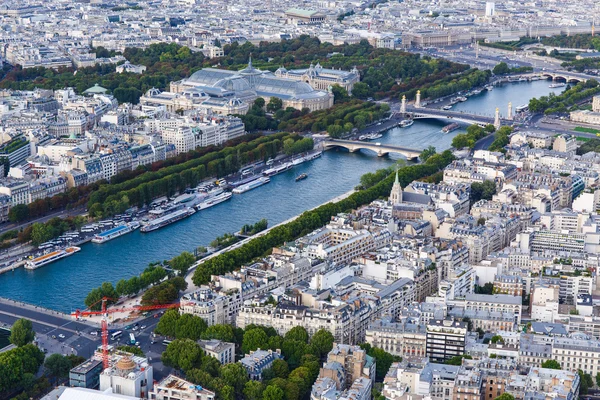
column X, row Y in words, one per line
column 339, row 119
column 510, row 46
column 290, row 378
column 313, row 219
column 253, row 229
column 115, row 198
column 225, row 240
column 502, row 68
column 582, row 65
column 384, row 72
column 590, row 145
column 578, row 41
column 566, row 100
column 473, row 134
column 152, row 275
column 19, row 366
column 501, row 139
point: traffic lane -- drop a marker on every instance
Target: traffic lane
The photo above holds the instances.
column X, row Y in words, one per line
column 29, row 313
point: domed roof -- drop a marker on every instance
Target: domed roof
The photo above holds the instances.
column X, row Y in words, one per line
column 234, row 83
column 250, row 70
column 125, row 364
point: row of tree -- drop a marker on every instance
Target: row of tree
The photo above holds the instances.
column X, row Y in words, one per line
column 501, row 138
column 502, row 68
column 473, row 134
column 344, row 116
column 114, row 198
column 253, row 229
column 313, row 219
column 567, row 99
column 152, row 275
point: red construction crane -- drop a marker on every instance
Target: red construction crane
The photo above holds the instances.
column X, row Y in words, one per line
column 104, row 312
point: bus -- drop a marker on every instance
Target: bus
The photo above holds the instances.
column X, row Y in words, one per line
column 132, row 338
column 116, row 335
column 166, row 342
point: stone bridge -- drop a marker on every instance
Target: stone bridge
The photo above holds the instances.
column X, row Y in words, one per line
column 430, row 113
column 379, row 148
column 564, row 76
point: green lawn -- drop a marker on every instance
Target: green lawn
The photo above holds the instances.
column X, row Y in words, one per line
column 586, row 130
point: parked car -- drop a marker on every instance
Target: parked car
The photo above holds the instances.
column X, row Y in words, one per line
column 61, row 336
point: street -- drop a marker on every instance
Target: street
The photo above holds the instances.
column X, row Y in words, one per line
column 78, row 338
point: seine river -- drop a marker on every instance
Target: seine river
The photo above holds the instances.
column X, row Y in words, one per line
column 64, row 284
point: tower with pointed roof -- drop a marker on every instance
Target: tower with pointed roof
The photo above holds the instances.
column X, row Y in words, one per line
column 396, row 193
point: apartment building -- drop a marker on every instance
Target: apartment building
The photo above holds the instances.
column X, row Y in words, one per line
column 445, row 339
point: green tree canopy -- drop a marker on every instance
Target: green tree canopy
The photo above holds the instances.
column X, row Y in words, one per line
column 297, row 333
column 182, row 262
column 167, row 325
column 254, row 339
column 58, row 366
column 322, row 341
column 551, row 364
column 273, row 393
column 22, row 332
column 183, row 354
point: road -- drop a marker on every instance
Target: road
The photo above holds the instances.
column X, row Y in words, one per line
column 79, row 337
column 62, row 214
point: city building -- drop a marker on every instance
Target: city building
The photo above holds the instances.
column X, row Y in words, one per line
column 445, row 339
column 175, row 388
column 258, row 361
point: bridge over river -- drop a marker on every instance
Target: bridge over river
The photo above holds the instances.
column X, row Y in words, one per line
column 379, row 148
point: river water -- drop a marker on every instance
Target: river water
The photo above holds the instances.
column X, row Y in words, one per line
column 64, row 284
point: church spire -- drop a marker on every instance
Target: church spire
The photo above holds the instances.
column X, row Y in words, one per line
column 250, row 61
column 396, row 193
column 396, row 180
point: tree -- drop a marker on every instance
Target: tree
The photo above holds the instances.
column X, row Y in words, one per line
column 167, row 325
column 501, row 69
column 383, row 360
column 182, row 262
column 297, row 333
column 505, row 396
column 340, row 95
column 361, row 90
column 482, row 191
column 254, row 339
column 551, row 364
column 274, row 104
column 259, row 102
column 585, row 381
column 280, row 369
column 457, row 360
column 18, row 213
column 220, row 332
column 489, row 128
column 58, row 366
column 428, row 152
column 497, row 339
column 598, row 379
column 189, row 327
column 322, row 341
column 183, row 354
column 236, row 376
column 301, row 377
column 272, row 393
column 22, row 332
column 253, row 390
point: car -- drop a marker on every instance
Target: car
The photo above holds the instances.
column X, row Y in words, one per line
column 128, row 327
column 135, row 328
column 53, row 336
column 142, row 327
column 94, row 333
column 61, row 336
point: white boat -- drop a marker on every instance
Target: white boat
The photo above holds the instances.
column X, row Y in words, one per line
column 362, row 137
column 277, row 170
column 263, row 180
column 406, row 123
column 214, row 200
column 168, row 218
column 448, row 107
column 489, row 88
column 115, row 232
column 51, row 257
column 298, row 161
column 557, row 85
column 461, row 98
column 476, row 91
column 312, row 156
